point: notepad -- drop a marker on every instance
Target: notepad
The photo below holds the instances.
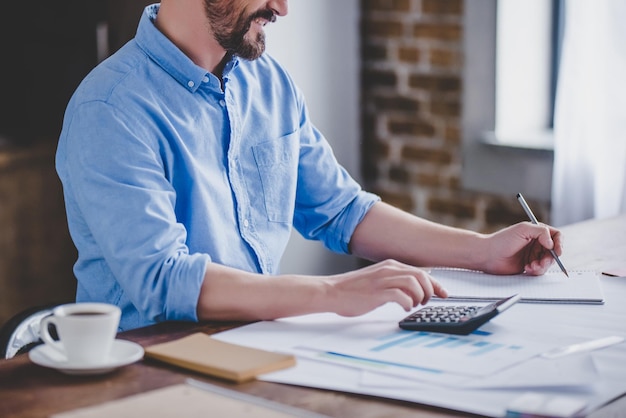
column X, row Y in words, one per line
column 202, row 353
column 552, row 287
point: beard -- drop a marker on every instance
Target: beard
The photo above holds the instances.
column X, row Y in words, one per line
column 230, row 28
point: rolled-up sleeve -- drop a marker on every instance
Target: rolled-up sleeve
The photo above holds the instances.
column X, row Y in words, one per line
column 124, row 215
column 330, row 203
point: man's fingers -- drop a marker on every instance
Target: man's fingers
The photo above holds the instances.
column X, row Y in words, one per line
column 421, row 287
column 400, row 297
column 557, row 238
column 440, row 291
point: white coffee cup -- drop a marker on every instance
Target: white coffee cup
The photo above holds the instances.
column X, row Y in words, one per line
column 86, row 331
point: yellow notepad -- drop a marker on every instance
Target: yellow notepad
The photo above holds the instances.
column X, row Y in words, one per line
column 202, row 353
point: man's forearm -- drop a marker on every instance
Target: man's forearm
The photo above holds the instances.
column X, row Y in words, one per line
column 387, row 232
column 231, row 294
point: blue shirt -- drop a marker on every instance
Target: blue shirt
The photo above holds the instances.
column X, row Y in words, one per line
column 165, row 171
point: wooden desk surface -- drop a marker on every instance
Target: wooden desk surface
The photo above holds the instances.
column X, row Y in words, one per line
column 27, row 390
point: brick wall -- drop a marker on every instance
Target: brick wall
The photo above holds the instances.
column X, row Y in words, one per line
column 412, row 57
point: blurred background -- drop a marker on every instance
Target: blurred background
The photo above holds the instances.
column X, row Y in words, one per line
column 445, row 108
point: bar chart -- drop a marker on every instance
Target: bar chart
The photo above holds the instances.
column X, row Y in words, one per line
column 477, row 354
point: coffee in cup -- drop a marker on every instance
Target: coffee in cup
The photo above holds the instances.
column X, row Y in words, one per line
column 86, row 331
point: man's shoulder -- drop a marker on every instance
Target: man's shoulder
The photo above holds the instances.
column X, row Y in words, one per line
column 124, row 66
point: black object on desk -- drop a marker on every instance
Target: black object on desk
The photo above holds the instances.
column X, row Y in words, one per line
column 459, row 319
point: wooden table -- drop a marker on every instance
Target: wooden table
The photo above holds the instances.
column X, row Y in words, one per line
column 28, row 390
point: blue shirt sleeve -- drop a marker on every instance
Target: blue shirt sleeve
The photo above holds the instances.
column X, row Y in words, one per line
column 123, row 214
column 329, row 202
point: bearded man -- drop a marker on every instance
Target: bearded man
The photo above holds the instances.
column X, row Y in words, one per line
column 187, row 158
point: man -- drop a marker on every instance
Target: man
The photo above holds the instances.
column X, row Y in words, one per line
column 188, row 156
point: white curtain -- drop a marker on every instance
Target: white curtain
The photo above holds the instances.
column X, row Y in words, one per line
column 589, row 179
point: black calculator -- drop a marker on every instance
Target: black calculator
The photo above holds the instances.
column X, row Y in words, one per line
column 459, row 319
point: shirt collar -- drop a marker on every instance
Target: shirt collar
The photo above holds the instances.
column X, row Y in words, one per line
column 169, row 57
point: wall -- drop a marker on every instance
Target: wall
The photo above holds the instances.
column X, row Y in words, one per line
column 413, row 58
column 318, row 43
column 36, row 252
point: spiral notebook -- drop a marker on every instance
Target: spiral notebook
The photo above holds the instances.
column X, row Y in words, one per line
column 553, row 287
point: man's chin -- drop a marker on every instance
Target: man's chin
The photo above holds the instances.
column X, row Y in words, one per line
column 251, row 50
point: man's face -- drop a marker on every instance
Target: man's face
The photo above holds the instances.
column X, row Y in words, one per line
column 236, row 29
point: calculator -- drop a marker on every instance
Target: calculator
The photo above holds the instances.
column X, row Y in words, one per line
column 459, row 319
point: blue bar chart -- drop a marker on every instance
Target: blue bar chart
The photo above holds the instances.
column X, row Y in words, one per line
column 477, row 354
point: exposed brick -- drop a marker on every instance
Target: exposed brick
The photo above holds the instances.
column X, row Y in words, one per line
column 452, row 134
column 386, row 5
column 435, row 180
column 377, row 149
column 437, row 31
column 368, row 124
column 403, row 201
column 369, row 170
column 444, row 58
column 428, row 180
column 411, row 127
column 443, row 7
column 431, row 47
column 447, row 108
column 374, row 53
column 382, row 28
column 415, row 153
column 396, row 103
column 499, row 213
column 408, row 54
column 374, row 78
column 435, row 83
column 372, row 151
column 454, row 183
column 458, row 208
column 399, row 174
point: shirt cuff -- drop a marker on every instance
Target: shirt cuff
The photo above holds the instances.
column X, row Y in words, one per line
column 184, row 289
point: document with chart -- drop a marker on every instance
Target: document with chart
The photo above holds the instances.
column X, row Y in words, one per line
column 479, row 373
column 481, row 353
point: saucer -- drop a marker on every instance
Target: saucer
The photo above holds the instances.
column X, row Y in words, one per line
column 122, row 353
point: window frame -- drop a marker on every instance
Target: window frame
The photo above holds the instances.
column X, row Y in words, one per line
column 489, row 166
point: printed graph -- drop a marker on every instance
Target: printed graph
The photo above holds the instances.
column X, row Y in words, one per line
column 477, row 354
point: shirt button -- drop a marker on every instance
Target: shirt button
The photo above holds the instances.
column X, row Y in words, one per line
column 246, row 223
column 205, row 79
column 191, row 83
column 222, row 103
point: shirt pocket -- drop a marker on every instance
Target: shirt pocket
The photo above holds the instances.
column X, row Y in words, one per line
column 277, row 162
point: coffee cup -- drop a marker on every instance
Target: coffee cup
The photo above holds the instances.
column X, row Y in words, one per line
column 86, row 332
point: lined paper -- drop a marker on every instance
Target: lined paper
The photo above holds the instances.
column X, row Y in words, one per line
column 552, row 287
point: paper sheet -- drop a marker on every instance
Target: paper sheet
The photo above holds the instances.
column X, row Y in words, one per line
column 554, row 286
column 478, row 354
column 185, row 400
column 596, row 377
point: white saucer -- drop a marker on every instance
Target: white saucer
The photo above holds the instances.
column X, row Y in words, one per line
column 122, row 353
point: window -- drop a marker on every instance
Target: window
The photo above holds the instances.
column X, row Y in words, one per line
column 526, row 64
column 509, row 77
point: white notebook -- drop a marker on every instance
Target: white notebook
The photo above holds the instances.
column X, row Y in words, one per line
column 552, row 287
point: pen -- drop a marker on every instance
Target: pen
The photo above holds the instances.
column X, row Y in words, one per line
column 533, row 219
column 582, row 347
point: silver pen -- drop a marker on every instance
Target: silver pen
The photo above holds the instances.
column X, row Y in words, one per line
column 533, row 219
column 582, row 347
